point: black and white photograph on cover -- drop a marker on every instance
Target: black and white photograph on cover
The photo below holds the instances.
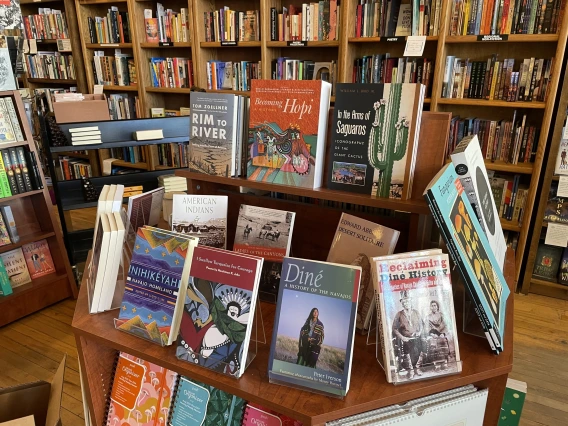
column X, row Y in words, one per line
column 349, row 173
column 422, row 337
column 211, row 232
column 260, row 231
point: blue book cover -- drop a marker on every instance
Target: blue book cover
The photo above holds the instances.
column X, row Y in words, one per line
column 467, row 243
column 312, row 341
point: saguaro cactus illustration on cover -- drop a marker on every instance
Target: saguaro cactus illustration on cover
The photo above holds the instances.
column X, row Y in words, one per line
column 388, row 139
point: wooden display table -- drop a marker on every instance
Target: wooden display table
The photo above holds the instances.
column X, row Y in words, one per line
column 98, row 342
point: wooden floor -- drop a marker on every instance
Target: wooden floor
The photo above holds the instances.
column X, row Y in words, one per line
column 32, row 348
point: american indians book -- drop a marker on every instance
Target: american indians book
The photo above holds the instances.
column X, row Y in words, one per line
column 356, row 241
column 15, row 264
column 38, row 259
column 141, row 392
column 266, row 233
column 417, row 321
column 470, row 251
column 156, row 284
column 314, row 326
column 219, row 309
column 374, row 138
column 287, row 131
column 202, row 216
column 212, row 142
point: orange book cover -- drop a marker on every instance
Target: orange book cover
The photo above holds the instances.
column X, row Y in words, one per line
column 38, row 258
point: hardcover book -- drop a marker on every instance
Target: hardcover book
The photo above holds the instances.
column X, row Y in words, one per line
column 213, row 133
column 5, row 287
column 467, row 244
column 6, row 130
column 219, row 309
column 561, row 166
column 4, row 235
column 547, row 262
column 314, row 326
column 416, row 317
column 374, row 138
column 38, row 259
column 266, row 233
column 356, row 241
column 287, row 132
column 15, row 264
column 563, row 273
column 203, row 216
column 556, row 207
column 10, row 172
column 14, row 118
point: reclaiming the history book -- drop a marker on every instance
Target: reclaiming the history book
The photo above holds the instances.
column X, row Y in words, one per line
column 374, row 138
column 356, row 241
column 287, row 131
column 314, row 326
column 266, row 233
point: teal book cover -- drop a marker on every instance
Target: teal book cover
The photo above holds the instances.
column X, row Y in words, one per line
column 5, row 287
column 312, row 341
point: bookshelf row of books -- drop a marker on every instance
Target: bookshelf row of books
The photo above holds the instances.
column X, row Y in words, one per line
column 510, row 196
column 298, row 69
column 167, row 25
column 511, row 239
column 112, row 28
column 232, row 75
column 72, row 168
column 129, row 154
column 163, row 112
column 51, row 65
column 496, row 79
column 171, row 72
column 316, row 21
column 556, row 206
column 123, row 107
column 19, row 172
column 117, row 70
column 551, row 264
column 48, row 24
column 511, row 17
column 230, row 25
column 172, row 155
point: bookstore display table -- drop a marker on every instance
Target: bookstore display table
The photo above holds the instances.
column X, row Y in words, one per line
column 98, row 342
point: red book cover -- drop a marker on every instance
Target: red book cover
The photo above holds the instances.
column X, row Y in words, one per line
column 38, row 258
column 256, row 415
column 359, row 17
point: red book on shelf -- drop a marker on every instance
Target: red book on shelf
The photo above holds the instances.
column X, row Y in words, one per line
column 359, row 18
column 38, row 258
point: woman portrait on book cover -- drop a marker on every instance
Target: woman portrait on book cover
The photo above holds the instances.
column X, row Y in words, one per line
column 311, row 339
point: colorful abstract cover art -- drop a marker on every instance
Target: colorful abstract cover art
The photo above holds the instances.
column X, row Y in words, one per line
column 283, row 132
column 152, row 284
column 312, row 341
column 556, row 207
column 38, row 259
column 15, row 264
column 218, row 311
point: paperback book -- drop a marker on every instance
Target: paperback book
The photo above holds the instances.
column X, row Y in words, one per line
column 556, row 207
column 15, row 264
column 256, row 414
column 547, row 262
column 374, row 138
column 563, row 273
column 38, row 259
column 561, row 166
column 314, row 326
column 266, row 233
column 5, row 287
column 4, row 234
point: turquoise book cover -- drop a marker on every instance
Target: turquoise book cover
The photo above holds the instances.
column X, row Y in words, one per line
column 312, row 341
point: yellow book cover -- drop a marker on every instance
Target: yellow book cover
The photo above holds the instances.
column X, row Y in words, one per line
column 494, row 79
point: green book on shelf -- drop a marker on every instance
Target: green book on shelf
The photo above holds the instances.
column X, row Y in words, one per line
column 5, row 287
column 513, row 402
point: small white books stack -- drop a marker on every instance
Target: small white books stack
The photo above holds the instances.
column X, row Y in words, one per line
column 85, row 135
column 172, row 183
column 68, row 97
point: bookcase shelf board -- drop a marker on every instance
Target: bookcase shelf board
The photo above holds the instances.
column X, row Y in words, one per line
column 108, row 45
column 121, row 144
column 486, row 103
column 29, row 238
column 501, row 166
column 121, row 163
column 112, row 88
column 384, row 39
column 510, row 225
column 318, row 43
column 52, row 81
column 87, row 2
column 46, row 41
column 218, row 44
column 174, row 90
column 169, row 45
column 23, row 195
column 14, row 144
column 511, row 38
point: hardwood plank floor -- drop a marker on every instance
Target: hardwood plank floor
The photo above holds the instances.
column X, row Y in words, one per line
column 31, row 349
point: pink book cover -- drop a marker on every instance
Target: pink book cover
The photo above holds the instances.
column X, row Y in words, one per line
column 38, row 258
column 256, row 414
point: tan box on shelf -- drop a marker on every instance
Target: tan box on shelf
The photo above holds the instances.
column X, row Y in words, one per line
column 92, row 108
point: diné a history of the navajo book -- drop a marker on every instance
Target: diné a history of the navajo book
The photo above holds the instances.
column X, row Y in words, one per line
column 266, row 233
column 219, row 310
column 38, row 259
column 287, row 131
column 356, row 241
column 156, row 285
column 418, row 326
column 141, row 392
column 202, row 216
column 374, row 138
column 314, row 326
column 470, row 251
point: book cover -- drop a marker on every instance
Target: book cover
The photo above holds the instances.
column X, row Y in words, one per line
column 287, row 132
column 10, row 223
column 213, row 133
column 15, row 264
column 10, row 172
column 6, row 130
column 203, row 216
column 547, row 262
column 404, row 21
column 219, row 309
column 4, row 235
column 561, row 165
column 256, row 412
column 14, row 119
column 266, row 233
column 22, row 163
column 151, row 27
column 314, row 326
column 204, row 405
column 563, row 272
column 417, row 320
column 5, row 287
column 356, row 241
column 556, row 207
column 470, row 251
column 513, row 402
column 17, row 170
column 374, row 138
column 5, row 186
column 144, row 209
column 38, row 259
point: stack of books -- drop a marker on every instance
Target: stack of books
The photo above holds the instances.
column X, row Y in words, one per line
column 48, row 24
column 173, row 155
column 85, row 135
column 112, row 28
column 232, row 75
column 171, row 72
column 71, row 168
column 308, row 22
column 233, row 26
column 172, row 183
column 167, row 26
column 510, row 196
column 117, row 70
column 52, row 65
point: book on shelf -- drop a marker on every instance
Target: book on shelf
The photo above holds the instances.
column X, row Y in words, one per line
column 4, row 234
column 16, row 186
column 563, row 271
column 27, row 174
column 556, row 206
column 167, row 26
column 355, row 242
column 510, row 196
column 266, row 233
column 384, row 120
column 287, row 132
column 284, row 68
column 226, row 25
column 121, row 106
column 232, row 75
column 7, row 107
column 404, row 23
column 513, row 402
column 218, row 315
column 6, row 176
column 202, row 216
column 510, row 17
column 5, row 287
column 15, row 264
column 318, row 360
column 141, row 389
column 163, row 112
column 547, row 262
column 117, row 70
column 10, row 223
column 256, row 414
column 172, row 155
column 7, row 133
column 315, row 21
column 112, row 28
column 47, row 24
column 38, row 258
column 171, row 72
column 172, row 183
column 470, row 251
column 33, row 168
column 561, row 165
column 71, row 168
column 497, row 79
column 144, row 209
column 50, row 65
